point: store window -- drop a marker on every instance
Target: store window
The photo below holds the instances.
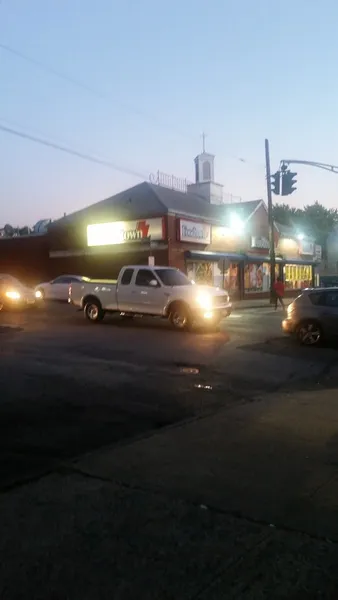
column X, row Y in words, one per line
column 201, row 272
column 257, row 277
column 230, row 280
column 207, row 273
column 297, row 277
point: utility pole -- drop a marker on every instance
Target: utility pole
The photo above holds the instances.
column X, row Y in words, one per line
column 270, row 216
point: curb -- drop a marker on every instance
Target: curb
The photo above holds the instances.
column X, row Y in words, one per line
column 251, row 306
column 239, row 307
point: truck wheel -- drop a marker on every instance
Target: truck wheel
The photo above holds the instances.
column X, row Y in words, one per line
column 93, row 311
column 180, row 317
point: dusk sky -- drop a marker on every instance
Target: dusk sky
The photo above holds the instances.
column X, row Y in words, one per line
column 141, row 79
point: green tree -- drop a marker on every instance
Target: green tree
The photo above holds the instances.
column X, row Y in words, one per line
column 287, row 215
column 314, row 220
column 320, row 221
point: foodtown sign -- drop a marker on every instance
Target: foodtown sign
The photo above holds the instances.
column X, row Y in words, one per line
column 190, row 231
column 122, row 232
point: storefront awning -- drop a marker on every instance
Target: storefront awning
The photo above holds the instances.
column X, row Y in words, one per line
column 251, row 258
column 299, row 261
column 213, row 256
column 259, row 258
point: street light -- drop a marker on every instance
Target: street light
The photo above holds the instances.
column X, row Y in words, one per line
column 236, row 224
column 300, row 236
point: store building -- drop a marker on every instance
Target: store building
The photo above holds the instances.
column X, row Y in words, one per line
column 301, row 257
column 170, row 226
column 139, row 223
column 239, row 260
column 167, row 221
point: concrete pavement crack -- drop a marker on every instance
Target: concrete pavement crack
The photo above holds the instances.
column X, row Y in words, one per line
column 69, row 469
column 231, row 565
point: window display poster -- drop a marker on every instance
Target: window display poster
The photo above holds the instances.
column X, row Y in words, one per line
column 204, row 273
column 297, row 276
column 231, row 278
column 253, row 277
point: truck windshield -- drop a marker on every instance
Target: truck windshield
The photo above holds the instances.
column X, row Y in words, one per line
column 171, row 277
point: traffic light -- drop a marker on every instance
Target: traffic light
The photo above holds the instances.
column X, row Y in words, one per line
column 288, row 183
column 275, row 183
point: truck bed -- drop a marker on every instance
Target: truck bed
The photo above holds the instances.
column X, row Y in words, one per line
column 113, row 281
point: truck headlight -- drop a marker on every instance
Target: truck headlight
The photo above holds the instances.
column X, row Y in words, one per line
column 12, row 295
column 204, row 301
column 38, row 294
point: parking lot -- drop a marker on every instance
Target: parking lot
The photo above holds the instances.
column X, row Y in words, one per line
column 69, row 386
column 209, row 445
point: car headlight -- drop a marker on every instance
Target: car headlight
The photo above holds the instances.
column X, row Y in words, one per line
column 204, row 301
column 12, row 295
column 38, row 294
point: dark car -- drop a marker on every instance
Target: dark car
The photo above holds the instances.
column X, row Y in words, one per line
column 313, row 316
column 15, row 295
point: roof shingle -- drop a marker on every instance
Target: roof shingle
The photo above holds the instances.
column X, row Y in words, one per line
column 147, row 200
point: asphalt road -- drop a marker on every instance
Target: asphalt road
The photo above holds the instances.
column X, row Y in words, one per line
column 68, row 386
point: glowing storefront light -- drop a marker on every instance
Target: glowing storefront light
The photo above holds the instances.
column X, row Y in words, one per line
column 104, row 234
column 120, row 232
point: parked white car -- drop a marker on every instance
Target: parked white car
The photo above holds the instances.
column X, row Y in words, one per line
column 153, row 291
column 16, row 295
column 58, row 289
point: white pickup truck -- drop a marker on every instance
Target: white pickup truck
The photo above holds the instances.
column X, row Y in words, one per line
column 153, row 291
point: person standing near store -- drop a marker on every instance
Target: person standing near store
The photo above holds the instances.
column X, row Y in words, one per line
column 279, row 290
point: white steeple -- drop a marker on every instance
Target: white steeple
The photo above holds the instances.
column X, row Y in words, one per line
column 205, row 185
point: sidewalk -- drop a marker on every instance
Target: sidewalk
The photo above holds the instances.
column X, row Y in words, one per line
column 265, row 460
column 239, row 505
column 256, row 303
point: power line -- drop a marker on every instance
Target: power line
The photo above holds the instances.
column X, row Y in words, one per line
column 71, row 151
column 50, row 69
column 61, row 75
column 87, row 88
column 68, row 143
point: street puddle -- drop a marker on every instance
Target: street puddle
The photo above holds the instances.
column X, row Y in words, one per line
column 189, row 370
column 201, row 386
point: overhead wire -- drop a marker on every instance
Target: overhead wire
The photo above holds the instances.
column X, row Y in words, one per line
column 49, row 69
column 61, row 148
column 80, row 84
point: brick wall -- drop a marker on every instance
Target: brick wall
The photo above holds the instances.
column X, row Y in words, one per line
column 177, row 249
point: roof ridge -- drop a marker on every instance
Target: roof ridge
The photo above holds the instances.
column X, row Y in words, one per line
column 151, row 186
